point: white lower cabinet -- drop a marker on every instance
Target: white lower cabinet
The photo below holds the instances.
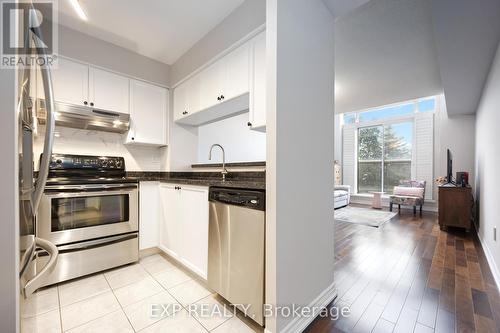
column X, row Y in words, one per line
column 149, row 220
column 184, row 225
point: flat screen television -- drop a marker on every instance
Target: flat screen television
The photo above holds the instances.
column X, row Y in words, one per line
column 449, row 167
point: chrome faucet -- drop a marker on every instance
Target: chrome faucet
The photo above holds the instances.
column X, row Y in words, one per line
column 224, row 171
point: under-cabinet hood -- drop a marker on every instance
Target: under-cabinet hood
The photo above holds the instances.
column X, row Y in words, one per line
column 83, row 117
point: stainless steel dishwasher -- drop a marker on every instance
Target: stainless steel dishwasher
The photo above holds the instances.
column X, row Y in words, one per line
column 236, row 247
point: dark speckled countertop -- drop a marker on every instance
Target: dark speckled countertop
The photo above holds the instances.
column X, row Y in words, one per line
column 246, row 180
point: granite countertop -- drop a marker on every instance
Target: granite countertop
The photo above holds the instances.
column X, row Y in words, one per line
column 246, row 180
column 230, row 165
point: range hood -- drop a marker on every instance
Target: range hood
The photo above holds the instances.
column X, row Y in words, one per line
column 83, row 117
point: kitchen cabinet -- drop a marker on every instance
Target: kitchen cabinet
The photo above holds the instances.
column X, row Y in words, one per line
column 148, row 113
column 216, row 92
column 236, row 72
column 81, row 84
column 257, row 110
column 149, row 219
column 184, row 225
column 108, row 91
column 225, row 79
column 70, row 82
column 187, row 98
column 211, row 84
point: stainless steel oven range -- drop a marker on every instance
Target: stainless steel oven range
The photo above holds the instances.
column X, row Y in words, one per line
column 90, row 211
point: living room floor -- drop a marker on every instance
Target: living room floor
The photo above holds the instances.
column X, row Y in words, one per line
column 409, row 276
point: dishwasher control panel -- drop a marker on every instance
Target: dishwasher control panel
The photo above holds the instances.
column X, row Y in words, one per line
column 253, row 199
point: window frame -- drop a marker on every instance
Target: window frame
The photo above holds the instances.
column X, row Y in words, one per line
column 383, row 124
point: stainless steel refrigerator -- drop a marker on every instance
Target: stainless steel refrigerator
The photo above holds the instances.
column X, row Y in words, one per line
column 31, row 189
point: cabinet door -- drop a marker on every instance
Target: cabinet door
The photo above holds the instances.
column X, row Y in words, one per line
column 108, row 91
column 70, row 82
column 236, row 76
column 171, row 219
column 211, row 83
column 258, row 86
column 193, row 94
column 148, row 113
column 180, row 100
column 194, row 235
column 149, row 215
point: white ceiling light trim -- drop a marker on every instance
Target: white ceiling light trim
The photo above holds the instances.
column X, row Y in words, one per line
column 78, row 9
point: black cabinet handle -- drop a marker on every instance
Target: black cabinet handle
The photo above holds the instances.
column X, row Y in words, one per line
column 177, row 187
column 85, row 103
column 185, row 112
column 249, row 124
column 91, row 104
column 133, row 138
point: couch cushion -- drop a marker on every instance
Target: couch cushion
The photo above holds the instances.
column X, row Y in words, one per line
column 409, row 191
column 340, row 193
column 406, row 200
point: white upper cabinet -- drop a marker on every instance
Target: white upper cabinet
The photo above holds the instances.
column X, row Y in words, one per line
column 257, row 117
column 148, row 113
column 223, row 82
column 232, row 84
column 237, row 70
column 181, row 101
column 70, row 82
column 108, row 91
column 212, row 80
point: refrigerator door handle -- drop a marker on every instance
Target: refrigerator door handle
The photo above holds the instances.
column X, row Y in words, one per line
column 32, row 285
column 50, row 125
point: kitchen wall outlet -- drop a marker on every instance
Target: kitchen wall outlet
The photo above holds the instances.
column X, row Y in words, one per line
column 495, row 233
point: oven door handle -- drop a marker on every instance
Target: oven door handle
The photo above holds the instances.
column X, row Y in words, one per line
column 38, row 280
column 89, row 188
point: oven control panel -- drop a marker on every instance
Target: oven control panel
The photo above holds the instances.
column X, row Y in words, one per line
column 65, row 162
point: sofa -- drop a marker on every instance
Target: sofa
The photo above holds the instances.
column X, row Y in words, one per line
column 342, row 196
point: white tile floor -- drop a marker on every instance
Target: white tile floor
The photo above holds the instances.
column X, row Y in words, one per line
column 120, row 300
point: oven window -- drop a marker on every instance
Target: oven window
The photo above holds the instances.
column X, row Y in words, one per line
column 81, row 212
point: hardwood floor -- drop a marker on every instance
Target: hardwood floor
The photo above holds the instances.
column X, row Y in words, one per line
column 409, row 276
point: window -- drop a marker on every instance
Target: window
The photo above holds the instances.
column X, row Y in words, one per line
column 387, row 112
column 384, row 156
column 381, row 114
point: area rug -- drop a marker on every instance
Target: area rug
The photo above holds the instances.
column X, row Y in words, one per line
column 366, row 216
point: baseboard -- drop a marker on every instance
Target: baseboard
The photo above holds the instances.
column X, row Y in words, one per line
column 148, row 252
column 491, row 262
column 299, row 324
column 367, row 200
column 193, row 270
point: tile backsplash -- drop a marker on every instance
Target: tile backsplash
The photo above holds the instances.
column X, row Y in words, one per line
column 84, row 142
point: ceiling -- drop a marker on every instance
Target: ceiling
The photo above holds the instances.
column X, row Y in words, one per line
column 385, row 53
column 159, row 29
column 340, row 8
column 467, row 38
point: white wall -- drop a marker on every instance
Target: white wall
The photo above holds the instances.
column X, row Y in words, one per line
column 9, row 235
column 84, row 142
column 86, row 48
column 487, row 191
column 300, row 145
column 243, row 20
column 385, row 53
column 240, row 142
column 338, row 139
column 456, row 133
column 466, row 34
